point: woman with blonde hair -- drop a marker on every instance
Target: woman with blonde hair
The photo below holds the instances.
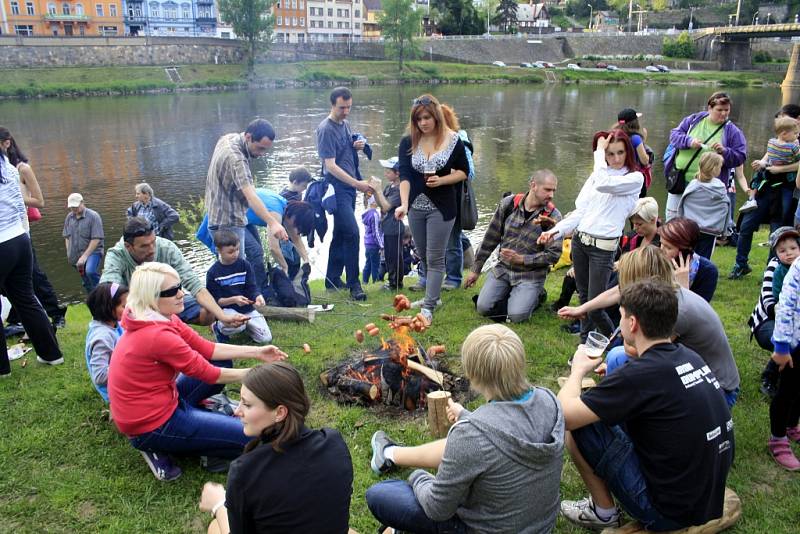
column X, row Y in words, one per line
column 498, row 469
column 161, row 370
column 433, row 163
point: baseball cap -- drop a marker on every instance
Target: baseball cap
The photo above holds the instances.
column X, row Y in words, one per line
column 74, row 200
column 781, row 233
column 627, row 115
column 391, row 163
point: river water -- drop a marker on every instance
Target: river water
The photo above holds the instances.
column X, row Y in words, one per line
column 101, row 147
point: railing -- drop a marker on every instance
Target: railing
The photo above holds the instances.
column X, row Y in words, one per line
column 66, row 18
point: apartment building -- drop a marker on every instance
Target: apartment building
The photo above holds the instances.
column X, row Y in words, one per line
column 335, row 20
column 61, row 18
column 178, row 18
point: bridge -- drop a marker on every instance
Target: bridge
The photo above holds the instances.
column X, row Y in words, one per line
column 730, row 45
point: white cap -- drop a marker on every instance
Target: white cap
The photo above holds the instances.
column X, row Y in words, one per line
column 391, row 163
column 74, row 200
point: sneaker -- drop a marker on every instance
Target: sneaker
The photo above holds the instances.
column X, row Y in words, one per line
column 357, row 293
column 218, row 335
column 450, row 286
column 5, row 375
column 748, row 206
column 583, row 513
column 418, row 303
column 428, row 314
column 739, row 271
column 215, row 464
column 220, row 403
column 59, row 361
column 572, row 328
column 418, row 286
column 768, row 388
column 793, row 434
column 379, row 463
column 59, row 322
column 161, row 466
column 15, row 329
column 782, row 453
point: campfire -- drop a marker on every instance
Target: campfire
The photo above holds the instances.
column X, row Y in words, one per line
column 399, row 372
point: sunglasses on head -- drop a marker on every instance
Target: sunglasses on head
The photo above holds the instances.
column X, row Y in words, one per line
column 423, row 101
column 139, row 232
column 170, row 292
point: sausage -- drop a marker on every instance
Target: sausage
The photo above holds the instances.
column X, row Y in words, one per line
column 369, row 326
column 435, row 350
column 374, row 332
column 306, row 348
column 359, row 336
column 387, row 317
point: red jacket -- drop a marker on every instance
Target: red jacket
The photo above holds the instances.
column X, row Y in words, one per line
column 144, row 367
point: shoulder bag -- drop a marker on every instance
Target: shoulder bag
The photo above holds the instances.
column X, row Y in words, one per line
column 676, row 178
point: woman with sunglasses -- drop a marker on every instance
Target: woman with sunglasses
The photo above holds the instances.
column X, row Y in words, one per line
column 433, row 163
column 602, row 208
column 161, row 370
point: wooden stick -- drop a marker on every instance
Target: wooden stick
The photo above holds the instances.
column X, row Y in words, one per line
column 287, row 314
column 437, row 413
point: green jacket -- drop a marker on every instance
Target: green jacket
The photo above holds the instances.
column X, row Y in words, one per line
column 119, row 265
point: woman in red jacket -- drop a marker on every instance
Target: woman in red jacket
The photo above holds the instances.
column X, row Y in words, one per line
column 161, row 370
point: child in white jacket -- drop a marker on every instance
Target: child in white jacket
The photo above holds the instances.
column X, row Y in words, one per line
column 706, row 202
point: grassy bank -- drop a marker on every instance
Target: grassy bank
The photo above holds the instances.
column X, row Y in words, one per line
column 75, row 81
column 65, row 469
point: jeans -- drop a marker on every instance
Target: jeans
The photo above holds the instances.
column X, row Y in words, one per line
column 238, row 230
column 17, row 284
column 609, row 452
column 453, row 259
column 394, row 504
column 593, row 268
column 752, row 220
column 522, row 298
column 393, row 255
column 763, row 335
column 91, row 271
column 191, row 309
column 785, row 404
column 372, row 267
column 431, row 233
column 256, row 327
column 292, row 258
column 254, row 252
column 192, row 430
column 343, row 252
column 705, row 245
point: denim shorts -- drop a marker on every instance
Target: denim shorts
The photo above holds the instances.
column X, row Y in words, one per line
column 191, row 309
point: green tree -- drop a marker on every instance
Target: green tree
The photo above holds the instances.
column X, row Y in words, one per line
column 458, row 17
column 252, row 22
column 507, row 15
column 400, row 22
column 680, row 47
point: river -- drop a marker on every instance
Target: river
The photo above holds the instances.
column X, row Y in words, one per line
column 102, row 146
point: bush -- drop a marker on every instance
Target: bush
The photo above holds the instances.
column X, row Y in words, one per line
column 762, row 56
column 681, row 47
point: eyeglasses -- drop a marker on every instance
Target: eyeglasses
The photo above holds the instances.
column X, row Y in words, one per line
column 422, row 101
column 139, row 232
column 171, row 292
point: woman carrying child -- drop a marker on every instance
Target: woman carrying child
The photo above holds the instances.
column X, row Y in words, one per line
column 706, row 202
column 106, row 303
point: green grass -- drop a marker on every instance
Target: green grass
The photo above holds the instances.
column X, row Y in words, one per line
column 65, row 469
column 721, row 78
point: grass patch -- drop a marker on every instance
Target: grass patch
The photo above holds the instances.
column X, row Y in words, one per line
column 67, row 470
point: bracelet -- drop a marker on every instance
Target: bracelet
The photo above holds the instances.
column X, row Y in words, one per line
column 216, row 508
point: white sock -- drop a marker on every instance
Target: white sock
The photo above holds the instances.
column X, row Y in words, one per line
column 388, row 452
column 604, row 514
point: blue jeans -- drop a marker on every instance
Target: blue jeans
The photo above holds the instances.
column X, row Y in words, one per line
column 254, row 252
column 372, row 267
column 609, row 451
column 616, row 357
column 238, row 230
column 291, row 256
column 343, row 251
column 394, row 504
column 752, row 220
column 91, row 273
column 192, row 430
column 453, row 258
column 191, row 309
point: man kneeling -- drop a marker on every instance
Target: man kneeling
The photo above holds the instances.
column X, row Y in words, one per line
column 498, row 469
column 656, row 434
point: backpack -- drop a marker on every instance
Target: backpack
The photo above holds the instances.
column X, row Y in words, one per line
column 546, row 212
column 321, row 196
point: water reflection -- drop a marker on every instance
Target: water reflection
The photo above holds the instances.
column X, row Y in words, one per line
column 103, row 146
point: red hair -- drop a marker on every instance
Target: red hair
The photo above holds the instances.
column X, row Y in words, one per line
column 619, row 136
column 681, row 232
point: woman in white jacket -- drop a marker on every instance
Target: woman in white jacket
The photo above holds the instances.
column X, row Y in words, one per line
column 706, row 202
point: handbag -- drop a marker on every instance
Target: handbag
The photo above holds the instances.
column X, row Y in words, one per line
column 676, row 178
column 469, row 208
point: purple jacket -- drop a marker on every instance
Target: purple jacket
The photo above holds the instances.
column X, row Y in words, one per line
column 733, row 140
column 373, row 236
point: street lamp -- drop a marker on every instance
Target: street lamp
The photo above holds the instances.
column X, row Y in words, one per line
column 591, row 10
column 768, row 15
column 755, row 19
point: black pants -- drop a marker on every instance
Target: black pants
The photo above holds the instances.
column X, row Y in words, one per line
column 593, row 268
column 784, row 408
column 44, row 291
column 393, row 256
column 16, row 271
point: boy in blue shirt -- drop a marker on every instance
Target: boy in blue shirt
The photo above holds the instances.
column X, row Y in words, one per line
column 233, row 285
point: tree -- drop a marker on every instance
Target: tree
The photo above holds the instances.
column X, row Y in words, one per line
column 252, row 22
column 680, row 47
column 399, row 23
column 507, row 14
column 458, row 17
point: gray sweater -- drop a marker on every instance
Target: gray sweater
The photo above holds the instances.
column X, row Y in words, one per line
column 707, row 204
column 501, row 468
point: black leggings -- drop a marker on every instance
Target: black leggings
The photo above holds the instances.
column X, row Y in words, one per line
column 784, row 407
column 393, row 256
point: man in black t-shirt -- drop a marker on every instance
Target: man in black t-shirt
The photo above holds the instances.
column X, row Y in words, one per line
column 656, row 434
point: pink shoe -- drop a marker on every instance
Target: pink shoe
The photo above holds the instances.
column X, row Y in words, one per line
column 782, row 452
column 793, row 434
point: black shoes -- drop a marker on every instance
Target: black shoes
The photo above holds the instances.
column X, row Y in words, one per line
column 357, row 293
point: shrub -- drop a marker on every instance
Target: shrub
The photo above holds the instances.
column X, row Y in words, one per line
column 762, row 56
column 680, row 47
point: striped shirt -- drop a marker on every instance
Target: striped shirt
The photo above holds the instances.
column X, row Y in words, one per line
column 12, row 208
column 765, row 307
column 782, row 153
column 228, row 173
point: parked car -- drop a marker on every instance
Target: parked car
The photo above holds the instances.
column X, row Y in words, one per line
column 526, row 65
column 538, row 65
column 612, row 68
column 573, row 66
column 651, row 68
column 498, row 64
column 548, row 65
column 662, row 68
column 602, row 65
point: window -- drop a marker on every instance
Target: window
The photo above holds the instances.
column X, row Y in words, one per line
column 65, row 8
column 171, row 11
column 112, row 10
column 338, row 12
column 294, row 4
column 51, row 8
column 300, row 5
column 109, row 30
column 278, row 21
column 99, row 9
column 330, row 11
column 23, row 29
column 302, row 21
column 330, row 24
column 294, row 21
column 347, row 25
column 15, row 8
column 29, row 8
column 339, row 24
column 186, row 11
column 347, row 13
column 301, row 38
column 357, row 25
column 79, row 9
column 278, row 5
column 155, row 9
column 357, row 13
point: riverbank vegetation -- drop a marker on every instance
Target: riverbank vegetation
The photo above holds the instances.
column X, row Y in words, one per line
column 78, row 81
column 65, row 468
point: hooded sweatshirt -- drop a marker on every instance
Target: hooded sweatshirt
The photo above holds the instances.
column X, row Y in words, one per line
column 144, row 367
column 501, row 467
column 707, row 204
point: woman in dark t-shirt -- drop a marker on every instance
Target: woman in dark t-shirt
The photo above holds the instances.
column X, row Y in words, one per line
column 694, row 272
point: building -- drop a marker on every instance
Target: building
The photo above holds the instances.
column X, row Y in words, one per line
column 179, row 18
column 532, row 16
column 605, row 21
column 224, row 30
column 290, row 21
column 334, row 20
column 62, row 17
column 372, row 12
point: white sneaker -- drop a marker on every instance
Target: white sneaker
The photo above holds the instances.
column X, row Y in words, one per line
column 418, row 303
column 748, row 206
column 583, row 513
column 50, row 362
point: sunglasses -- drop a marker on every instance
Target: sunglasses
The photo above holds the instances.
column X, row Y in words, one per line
column 422, row 101
column 171, row 292
column 139, row 232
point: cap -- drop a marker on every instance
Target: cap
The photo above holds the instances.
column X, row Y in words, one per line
column 391, row 163
column 646, row 208
column 627, row 115
column 780, row 233
column 74, row 200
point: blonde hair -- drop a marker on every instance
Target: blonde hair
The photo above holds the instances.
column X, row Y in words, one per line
column 146, row 285
column 646, row 209
column 785, row 124
column 710, row 166
column 644, row 263
column 493, row 359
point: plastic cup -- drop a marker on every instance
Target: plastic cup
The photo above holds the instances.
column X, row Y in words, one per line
column 429, row 170
column 595, row 345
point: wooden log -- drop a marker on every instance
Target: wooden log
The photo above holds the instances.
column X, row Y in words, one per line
column 436, row 376
column 359, row 388
column 437, row 413
column 300, row 315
